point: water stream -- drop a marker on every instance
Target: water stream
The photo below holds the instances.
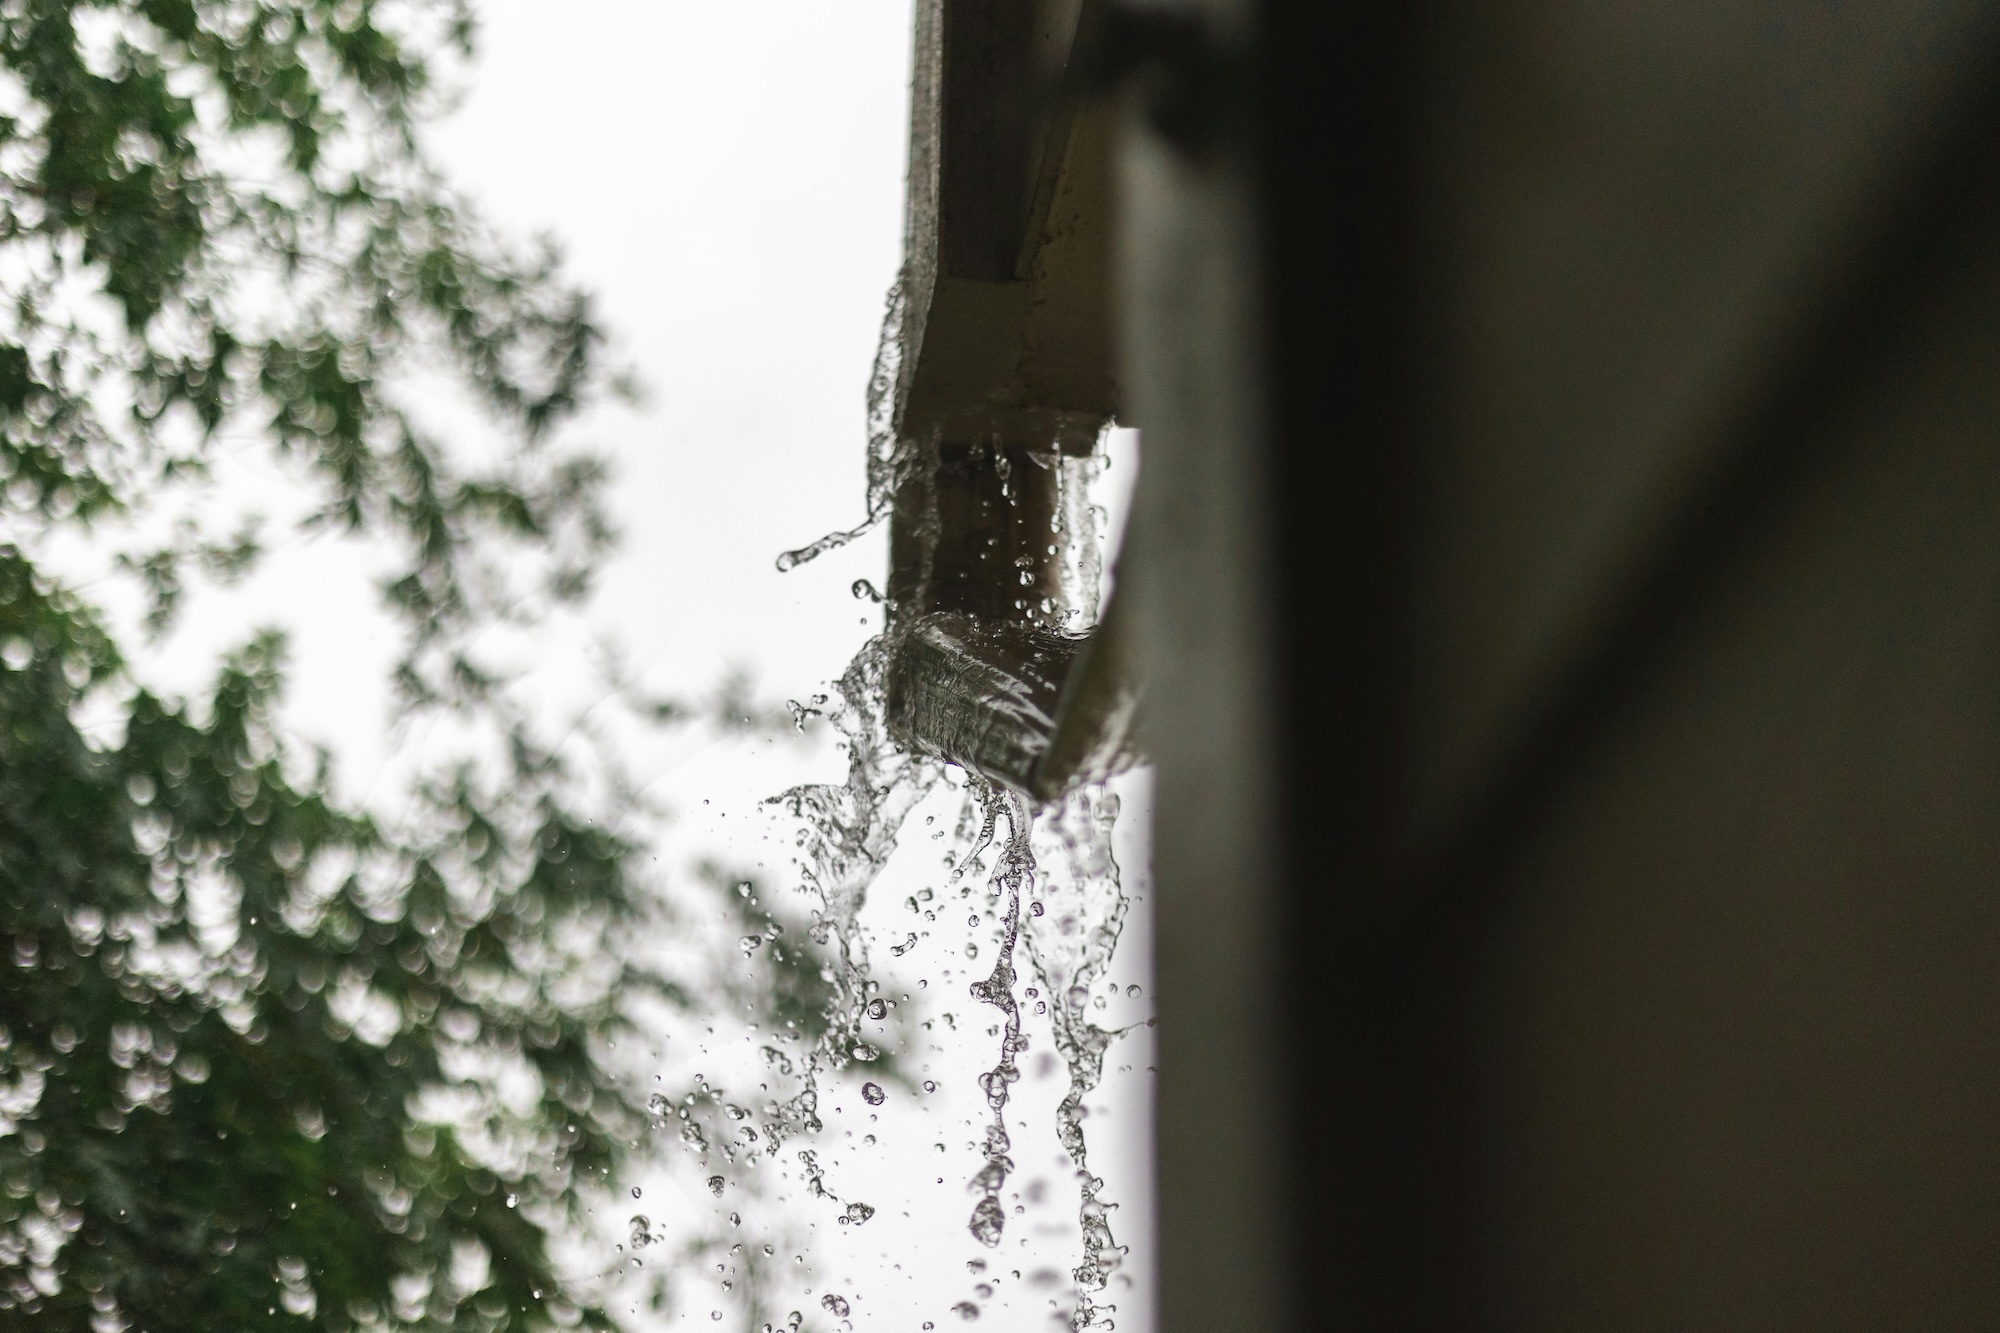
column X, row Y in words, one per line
column 1051, row 883
column 1042, row 884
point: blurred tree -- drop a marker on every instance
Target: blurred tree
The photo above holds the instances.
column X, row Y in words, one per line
column 264, row 1063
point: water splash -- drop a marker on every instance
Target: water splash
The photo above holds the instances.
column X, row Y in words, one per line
column 889, row 458
column 847, row 832
column 1054, row 890
column 1079, row 523
column 815, row 973
column 1013, row 872
column 1057, row 890
column 1070, row 944
column 1058, row 857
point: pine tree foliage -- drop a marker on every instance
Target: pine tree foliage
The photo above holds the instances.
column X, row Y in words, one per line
column 264, row 1063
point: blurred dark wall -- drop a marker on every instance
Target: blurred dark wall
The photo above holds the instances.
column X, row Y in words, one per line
column 1568, row 559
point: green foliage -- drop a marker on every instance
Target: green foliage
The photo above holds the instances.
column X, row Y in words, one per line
column 218, row 212
column 264, row 1063
column 230, row 997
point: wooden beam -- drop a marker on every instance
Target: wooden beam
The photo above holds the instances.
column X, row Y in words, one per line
column 1007, row 330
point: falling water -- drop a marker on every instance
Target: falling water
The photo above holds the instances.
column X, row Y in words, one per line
column 1073, row 935
column 889, row 458
column 1059, row 898
column 1076, row 907
column 1014, row 871
column 1052, row 886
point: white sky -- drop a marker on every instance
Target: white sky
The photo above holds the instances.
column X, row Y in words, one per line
column 728, row 179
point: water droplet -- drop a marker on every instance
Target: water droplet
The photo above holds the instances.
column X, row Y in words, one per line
column 878, row 1009
column 837, row 1304
column 872, row 1094
column 929, row 1086
column 966, row 1310
column 1131, row 992
column 635, row 1191
column 513, row 1199
column 640, row 1235
column 736, row 1220
column 857, row 1213
column 863, row 1051
column 975, row 1265
column 715, row 1315
column 749, row 942
column 989, row 1219
column 1034, row 909
column 715, row 1185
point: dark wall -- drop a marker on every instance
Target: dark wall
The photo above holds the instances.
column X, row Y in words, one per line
column 1568, row 555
